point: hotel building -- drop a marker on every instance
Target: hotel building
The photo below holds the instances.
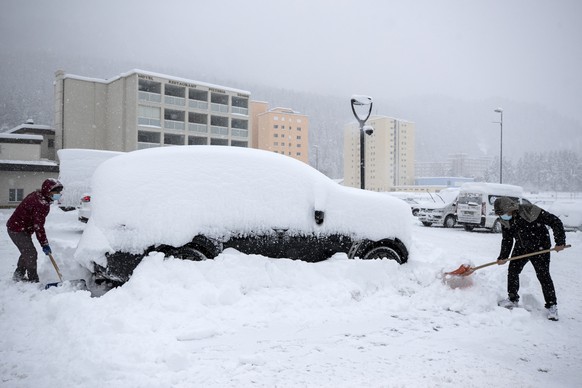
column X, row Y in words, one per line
column 140, row 109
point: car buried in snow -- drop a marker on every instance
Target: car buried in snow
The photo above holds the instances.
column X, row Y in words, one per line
column 192, row 202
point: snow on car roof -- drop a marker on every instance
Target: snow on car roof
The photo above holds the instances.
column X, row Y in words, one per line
column 493, row 188
column 168, row 195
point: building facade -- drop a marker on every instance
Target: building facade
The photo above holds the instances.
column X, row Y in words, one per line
column 22, row 165
column 389, row 154
column 140, row 109
column 282, row 130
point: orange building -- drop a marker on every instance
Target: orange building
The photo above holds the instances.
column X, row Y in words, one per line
column 281, row 130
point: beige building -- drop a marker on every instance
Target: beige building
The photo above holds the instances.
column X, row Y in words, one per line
column 140, row 109
column 389, row 154
column 25, row 162
column 281, row 130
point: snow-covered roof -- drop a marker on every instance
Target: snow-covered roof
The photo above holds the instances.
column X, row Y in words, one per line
column 20, row 136
column 31, row 126
column 30, row 162
column 154, row 74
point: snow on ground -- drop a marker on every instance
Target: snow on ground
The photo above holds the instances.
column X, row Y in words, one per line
column 244, row 320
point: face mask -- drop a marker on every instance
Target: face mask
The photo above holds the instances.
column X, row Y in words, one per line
column 505, row 217
column 56, row 197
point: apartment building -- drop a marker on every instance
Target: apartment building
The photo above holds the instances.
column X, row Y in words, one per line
column 281, row 130
column 141, row 109
column 389, row 154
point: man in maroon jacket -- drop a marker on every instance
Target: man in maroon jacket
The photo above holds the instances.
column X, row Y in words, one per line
column 29, row 218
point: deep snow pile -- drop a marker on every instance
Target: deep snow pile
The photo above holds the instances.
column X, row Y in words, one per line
column 245, row 320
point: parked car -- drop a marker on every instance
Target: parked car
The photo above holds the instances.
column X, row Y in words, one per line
column 84, row 211
column 192, row 202
column 76, row 167
column 569, row 212
column 443, row 211
column 475, row 204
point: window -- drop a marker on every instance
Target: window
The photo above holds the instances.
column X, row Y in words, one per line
column 15, row 195
column 221, row 142
column 173, row 139
column 197, row 140
column 299, row 128
column 298, row 145
column 148, row 137
column 148, row 115
column 236, row 143
column 276, row 143
column 276, row 135
column 149, row 86
column 282, row 127
column 198, row 95
column 298, row 137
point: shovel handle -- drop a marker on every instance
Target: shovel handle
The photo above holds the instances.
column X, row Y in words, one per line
column 520, row 257
column 56, row 266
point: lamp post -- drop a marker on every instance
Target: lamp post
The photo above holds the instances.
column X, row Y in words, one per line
column 362, row 101
column 316, row 157
column 499, row 110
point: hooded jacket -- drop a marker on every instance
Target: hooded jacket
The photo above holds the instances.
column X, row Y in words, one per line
column 30, row 215
column 527, row 228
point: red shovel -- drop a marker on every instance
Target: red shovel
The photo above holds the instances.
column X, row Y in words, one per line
column 466, row 270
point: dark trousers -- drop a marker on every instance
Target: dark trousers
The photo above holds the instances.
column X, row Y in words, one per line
column 28, row 256
column 541, row 264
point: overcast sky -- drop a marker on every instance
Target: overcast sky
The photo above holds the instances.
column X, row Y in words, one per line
column 525, row 50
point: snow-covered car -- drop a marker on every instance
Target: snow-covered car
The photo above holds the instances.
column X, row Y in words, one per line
column 443, row 211
column 192, row 202
column 569, row 212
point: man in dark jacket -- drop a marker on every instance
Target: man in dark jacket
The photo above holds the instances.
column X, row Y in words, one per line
column 524, row 230
column 28, row 218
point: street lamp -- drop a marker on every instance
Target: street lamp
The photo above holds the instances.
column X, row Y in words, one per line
column 362, row 101
column 316, row 157
column 499, row 110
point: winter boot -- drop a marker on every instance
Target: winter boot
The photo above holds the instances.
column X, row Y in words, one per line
column 19, row 275
column 553, row 313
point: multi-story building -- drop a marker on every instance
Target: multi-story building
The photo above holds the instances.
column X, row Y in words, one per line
column 464, row 165
column 282, row 130
column 140, row 109
column 389, row 154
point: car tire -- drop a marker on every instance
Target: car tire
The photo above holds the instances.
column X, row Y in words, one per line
column 415, row 212
column 449, row 222
column 189, row 252
column 496, row 227
column 426, row 223
column 468, row 228
column 383, row 251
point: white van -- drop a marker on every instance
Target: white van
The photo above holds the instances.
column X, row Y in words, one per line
column 475, row 204
column 443, row 211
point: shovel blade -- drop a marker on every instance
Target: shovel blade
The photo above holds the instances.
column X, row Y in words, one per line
column 463, row 270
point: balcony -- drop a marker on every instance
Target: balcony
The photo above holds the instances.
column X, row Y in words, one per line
column 217, row 130
column 171, row 124
column 200, row 105
column 242, row 133
column 200, row 128
column 171, row 100
column 240, row 111
column 150, row 97
column 220, row 108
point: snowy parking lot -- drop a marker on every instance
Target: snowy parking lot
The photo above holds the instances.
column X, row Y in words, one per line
column 244, row 320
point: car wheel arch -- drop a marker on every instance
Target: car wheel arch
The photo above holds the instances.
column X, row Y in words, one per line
column 369, row 248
